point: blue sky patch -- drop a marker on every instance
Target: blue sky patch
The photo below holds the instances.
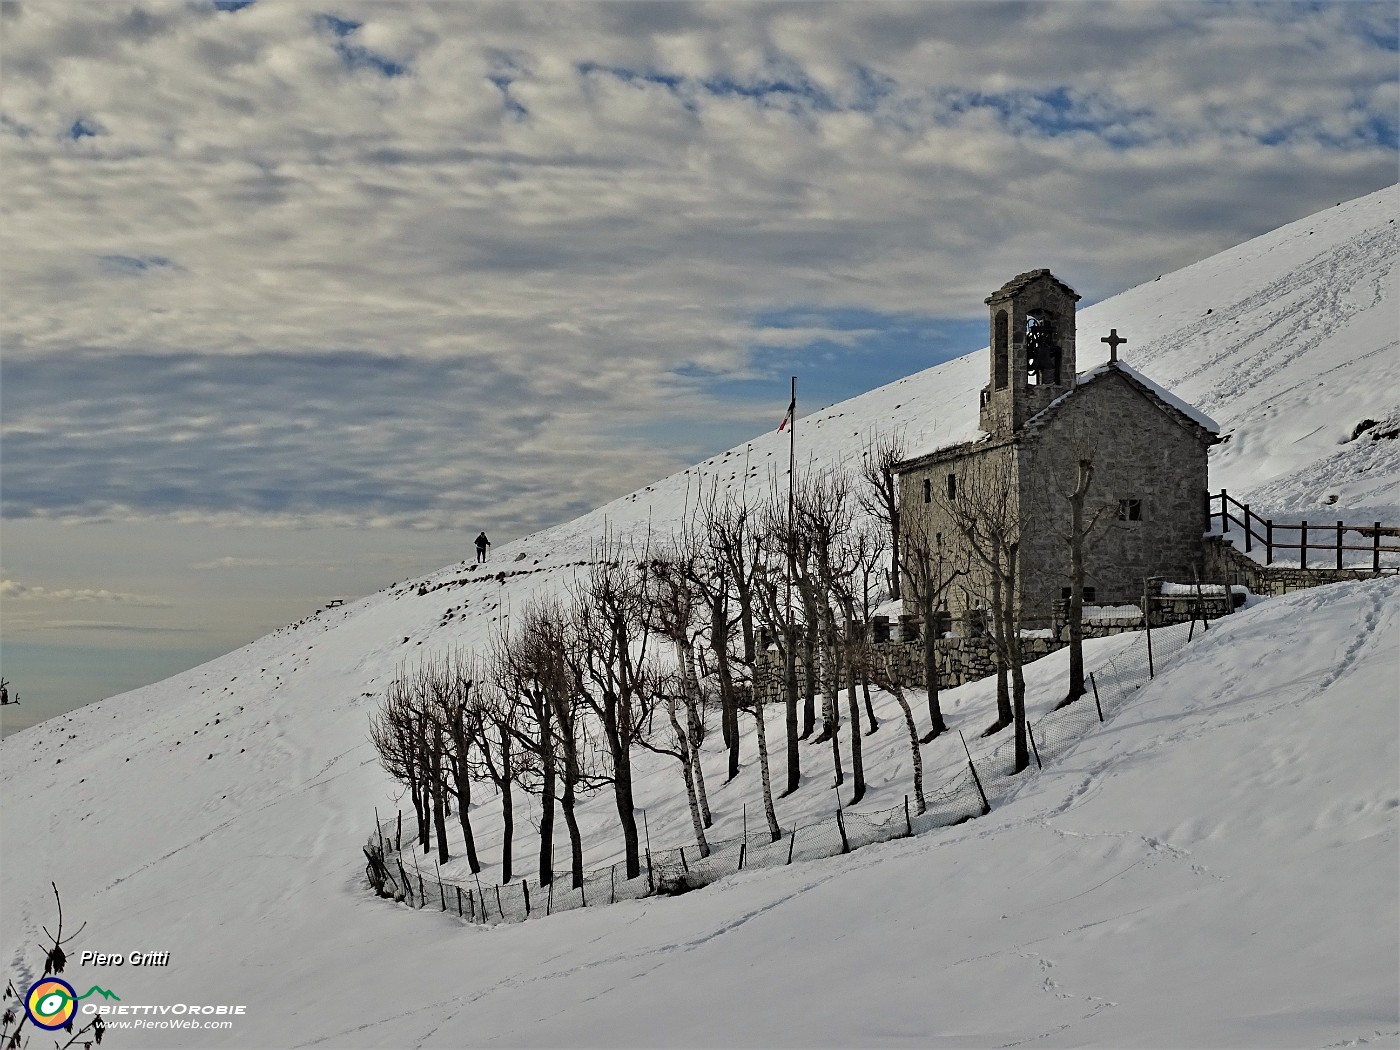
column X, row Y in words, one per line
column 356, row 56
column 136, row 265
column 82, row 129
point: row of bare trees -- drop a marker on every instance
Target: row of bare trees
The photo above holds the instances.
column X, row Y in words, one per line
column 652, row 639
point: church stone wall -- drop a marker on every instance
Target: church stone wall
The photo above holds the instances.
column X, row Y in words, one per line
column 922, row 521
column 1140, row 453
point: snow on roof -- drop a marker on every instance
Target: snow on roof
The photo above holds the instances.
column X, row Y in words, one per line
column 1161, row 393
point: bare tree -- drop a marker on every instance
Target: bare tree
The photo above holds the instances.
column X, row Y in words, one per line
column 534, row 671
column 499, row 759
column 396, row 730
column 889, row 682
column 774, row 610
column 608, row 655
column 879, row 495
column 826, row 516
column 929, row 575
column 987, row 512
column 449, row 683
column 674, row 606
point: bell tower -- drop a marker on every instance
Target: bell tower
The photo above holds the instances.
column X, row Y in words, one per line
column 1033, row 363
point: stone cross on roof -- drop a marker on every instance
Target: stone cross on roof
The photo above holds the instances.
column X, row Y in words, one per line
column 1114, row 341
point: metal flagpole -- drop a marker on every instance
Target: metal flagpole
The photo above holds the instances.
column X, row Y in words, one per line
column 792, row 477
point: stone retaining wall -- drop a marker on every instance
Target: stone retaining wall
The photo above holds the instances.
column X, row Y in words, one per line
column 1224, row 562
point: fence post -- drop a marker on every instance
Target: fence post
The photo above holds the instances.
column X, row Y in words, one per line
column 583, row 892
column 1095, row 686
column 792, row 841
column 1034, row 750
column 422, row 894
column 1303, row 545
column 459, row 901
column 1269, row 542
column 841, row 826
column 908, row 824
column 1147, row 621
column 1376, row 549
column 403, row 882
column 442, row 893
column 683, row 863
column 743, row 848
column 1248, row 530
column 986, row 806
column 612, row 883
column 525, row 889
column 549, row 901
column 1339, row 544
column 471, row 907
column 498, row 901
column 651, row 878
column 398, row 834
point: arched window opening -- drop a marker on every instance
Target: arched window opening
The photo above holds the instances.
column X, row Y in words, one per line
column 1000, row 340
column 1042, row 349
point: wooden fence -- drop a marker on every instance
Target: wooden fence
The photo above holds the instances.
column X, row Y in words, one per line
column 1302, row 537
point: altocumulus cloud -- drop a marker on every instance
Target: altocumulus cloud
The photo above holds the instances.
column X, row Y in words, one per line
column 13, row 590
column 398, row 263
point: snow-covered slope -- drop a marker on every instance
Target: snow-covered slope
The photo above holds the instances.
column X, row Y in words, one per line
column 1214, row 867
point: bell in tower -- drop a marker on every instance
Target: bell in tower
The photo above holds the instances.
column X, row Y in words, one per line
column 1032, row 319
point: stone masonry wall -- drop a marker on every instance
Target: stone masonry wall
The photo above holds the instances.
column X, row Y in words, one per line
column 1224, row 562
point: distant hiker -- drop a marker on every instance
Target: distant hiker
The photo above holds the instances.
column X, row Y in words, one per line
column 481, row 544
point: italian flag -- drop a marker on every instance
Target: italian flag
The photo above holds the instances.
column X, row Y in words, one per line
column 787, row 417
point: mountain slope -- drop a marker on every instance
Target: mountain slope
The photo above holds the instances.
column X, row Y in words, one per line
column 218, row 815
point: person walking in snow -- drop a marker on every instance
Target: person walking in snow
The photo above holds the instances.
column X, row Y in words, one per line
column 481, row 544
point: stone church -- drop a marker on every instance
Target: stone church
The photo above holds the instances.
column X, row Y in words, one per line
column 1040, row 419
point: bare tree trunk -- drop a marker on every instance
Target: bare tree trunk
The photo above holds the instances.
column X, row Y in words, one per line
column 809, row 688
column 1004, row 713
column 1076, row 583
column 439, row 803
column 857, row 759
column 1013, row 650
column 507, row 808
column 687, row 771
column 893, row 688
column 930, row 617
column 831, row 715
column 626, row 811
column 794, row 767
column 685, row 653
column 869, row 710
column 464, row 800
column 768, row 813
column 575, row 837
column 728, row 702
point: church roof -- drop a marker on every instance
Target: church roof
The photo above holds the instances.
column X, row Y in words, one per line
column 1160, row 395
column 1188, row 414
column 1022, row 280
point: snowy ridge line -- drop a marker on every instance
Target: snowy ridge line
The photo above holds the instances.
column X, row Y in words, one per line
column 678, row 870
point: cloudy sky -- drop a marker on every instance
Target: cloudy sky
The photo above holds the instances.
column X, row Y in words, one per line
column 299, row 296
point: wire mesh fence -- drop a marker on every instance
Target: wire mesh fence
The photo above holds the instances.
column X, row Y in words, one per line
column 988, row 777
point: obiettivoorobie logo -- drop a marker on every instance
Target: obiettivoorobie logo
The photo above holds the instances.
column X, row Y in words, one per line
column 51, row 1002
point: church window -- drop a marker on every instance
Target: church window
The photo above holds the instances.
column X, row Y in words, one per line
column 928, row 491
column 999, row 349
column 952, row 486
column 1130, row 510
